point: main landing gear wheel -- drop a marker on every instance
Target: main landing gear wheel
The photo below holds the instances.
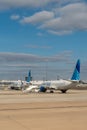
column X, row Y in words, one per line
column 51, row 91
column 63, row 91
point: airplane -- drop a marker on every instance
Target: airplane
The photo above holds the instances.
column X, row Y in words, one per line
column 11, row 84
column 16, row 84
column 61, row 84
column 20, row 84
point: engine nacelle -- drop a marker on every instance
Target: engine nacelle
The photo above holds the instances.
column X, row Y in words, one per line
column 42, row 89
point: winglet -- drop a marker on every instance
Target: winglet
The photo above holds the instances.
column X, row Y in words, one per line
column 76, row 73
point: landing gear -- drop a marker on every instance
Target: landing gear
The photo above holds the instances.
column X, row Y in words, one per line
column 51, row 91
column 63, row 91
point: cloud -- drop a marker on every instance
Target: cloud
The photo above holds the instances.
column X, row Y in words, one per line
column 60, row 32
column 18, row 58
column 29, row 58
column 39, row 17
column 14, row 17
column 69, row 18
column 58, row 17
column 15, row 66
column 8, row 4
column 61, row 20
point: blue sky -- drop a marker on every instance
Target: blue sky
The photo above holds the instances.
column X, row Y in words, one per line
column 47, row 35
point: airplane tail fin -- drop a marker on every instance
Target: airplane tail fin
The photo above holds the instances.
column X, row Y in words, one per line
column 29, row 76
column 76, row 73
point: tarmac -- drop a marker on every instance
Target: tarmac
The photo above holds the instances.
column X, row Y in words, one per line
column 43, row 111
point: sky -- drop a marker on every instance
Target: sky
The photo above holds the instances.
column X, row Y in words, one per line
column 46, row 37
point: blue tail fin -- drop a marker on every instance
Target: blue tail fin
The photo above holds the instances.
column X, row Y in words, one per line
column 29, row 76
column 76, row 73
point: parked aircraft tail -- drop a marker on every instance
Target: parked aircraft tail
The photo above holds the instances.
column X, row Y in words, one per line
column 76, row 73
column 29, row 76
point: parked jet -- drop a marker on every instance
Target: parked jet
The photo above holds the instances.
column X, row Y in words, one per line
column 61, row 84
column 16, row 84
column 19, row 84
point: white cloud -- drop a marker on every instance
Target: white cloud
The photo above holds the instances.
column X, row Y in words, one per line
column 14, row 17
column 38, row 17
column 28, row 58
column 60, row 18
column 72, row 17
column 21, row 3
column 18, row 57
column 16, row 65
column 60, row 33
column 7, row 4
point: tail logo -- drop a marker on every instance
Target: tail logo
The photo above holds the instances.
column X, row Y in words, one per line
column 29, row 77
column 76, row 73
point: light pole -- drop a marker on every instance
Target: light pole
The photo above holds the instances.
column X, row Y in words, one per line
column 46, row 69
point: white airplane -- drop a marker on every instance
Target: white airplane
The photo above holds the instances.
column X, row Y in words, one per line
column 16, row 84
column 61, row 84
column 12, row 84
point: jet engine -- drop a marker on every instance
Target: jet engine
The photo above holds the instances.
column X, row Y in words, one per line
column 42, row 89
